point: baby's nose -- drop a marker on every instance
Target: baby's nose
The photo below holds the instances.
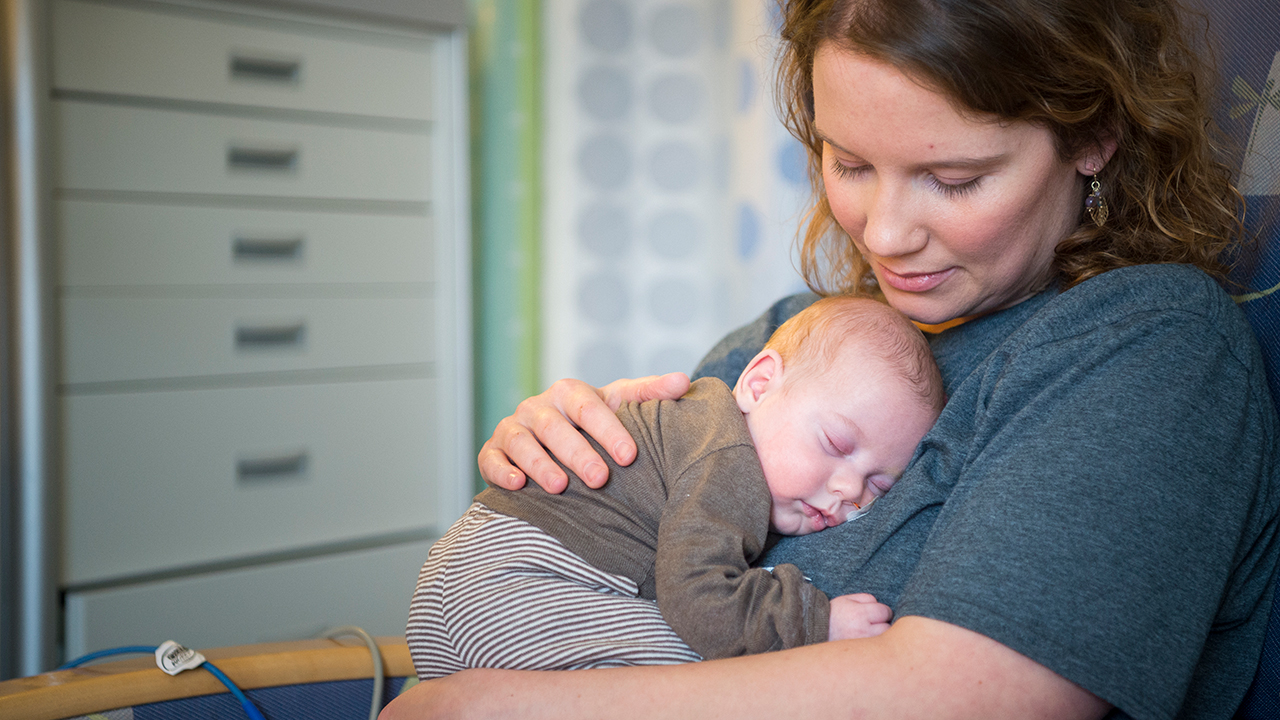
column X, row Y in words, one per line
column 849, row 487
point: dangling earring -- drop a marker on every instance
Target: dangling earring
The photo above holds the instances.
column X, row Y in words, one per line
column 1096, row 204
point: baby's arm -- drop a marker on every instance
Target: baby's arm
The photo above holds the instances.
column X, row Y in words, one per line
column 714, row 526
column 857, row 616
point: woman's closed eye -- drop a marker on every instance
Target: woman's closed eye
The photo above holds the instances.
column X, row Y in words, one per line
column 948, row 188
column 954, row 188
column 847, row 171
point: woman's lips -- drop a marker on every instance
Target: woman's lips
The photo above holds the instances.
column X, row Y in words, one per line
column 913, row 282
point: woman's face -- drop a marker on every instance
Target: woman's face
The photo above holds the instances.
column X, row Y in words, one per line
column 955, row 216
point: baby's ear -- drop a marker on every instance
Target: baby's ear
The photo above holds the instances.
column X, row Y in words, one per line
column 763, row 374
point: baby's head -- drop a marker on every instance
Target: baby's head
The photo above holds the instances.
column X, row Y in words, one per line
column 836, row 404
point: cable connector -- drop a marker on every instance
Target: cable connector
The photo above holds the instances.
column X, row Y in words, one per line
column 174, row 658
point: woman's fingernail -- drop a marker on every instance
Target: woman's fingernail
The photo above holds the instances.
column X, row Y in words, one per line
column 622, row 452
column 596, row 472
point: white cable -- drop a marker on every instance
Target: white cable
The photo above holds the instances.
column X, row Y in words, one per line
column 378, row 676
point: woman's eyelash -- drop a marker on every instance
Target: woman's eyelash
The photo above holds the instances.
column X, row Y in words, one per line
column 957, row 190
column 952, row 191
column 846, row 171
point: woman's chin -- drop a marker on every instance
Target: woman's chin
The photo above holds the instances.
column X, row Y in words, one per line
column 921, row 311
column 928, row 308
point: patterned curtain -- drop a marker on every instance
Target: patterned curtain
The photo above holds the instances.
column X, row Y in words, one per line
column 671, row 193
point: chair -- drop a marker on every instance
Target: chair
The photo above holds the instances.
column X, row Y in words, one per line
column 1247, row 39
column 302, row 680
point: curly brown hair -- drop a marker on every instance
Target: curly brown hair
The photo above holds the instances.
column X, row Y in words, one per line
column 1087, row 70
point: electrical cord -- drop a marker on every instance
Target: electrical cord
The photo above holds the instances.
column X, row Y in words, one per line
column 379, row 675
column 127, row 650
column 249, row 708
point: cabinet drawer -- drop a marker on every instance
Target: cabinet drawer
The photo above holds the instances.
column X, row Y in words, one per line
column 118, row 244
column 109, row 147
column 163, row 480
column 106, row 339
column 183, row 54
column 282, row 601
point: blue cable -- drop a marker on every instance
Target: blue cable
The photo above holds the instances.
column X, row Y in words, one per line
column 249, row 708
column 104, row 653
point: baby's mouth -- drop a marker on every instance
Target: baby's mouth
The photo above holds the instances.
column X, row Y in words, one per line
column 816, row 516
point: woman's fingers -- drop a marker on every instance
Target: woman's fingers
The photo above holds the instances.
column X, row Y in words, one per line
column 555, row 418
column 600, row 421
column 654, row 387
column 513, row 453
column 547, row 425
column 495, row 469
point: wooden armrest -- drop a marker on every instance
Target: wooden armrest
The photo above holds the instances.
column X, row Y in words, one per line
column 123, row 683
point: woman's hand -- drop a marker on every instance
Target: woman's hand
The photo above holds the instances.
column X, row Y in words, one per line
column 552, row 419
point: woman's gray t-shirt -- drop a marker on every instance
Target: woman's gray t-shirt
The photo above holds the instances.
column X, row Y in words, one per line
column 1100, row 493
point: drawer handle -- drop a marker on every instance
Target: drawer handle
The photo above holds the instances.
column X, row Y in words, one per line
column 262, row 336
column 244, row 67
column 249, row 158
column 266, row 468
column 250, row 249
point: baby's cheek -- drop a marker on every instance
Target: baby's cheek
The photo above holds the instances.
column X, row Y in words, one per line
column 781, row 522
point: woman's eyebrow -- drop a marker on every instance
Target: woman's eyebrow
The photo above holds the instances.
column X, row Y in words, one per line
column 823, row 137
column 976, row 163
column 962, row 163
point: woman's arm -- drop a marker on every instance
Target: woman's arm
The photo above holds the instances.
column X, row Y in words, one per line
column 549, row 422
column 919, row 668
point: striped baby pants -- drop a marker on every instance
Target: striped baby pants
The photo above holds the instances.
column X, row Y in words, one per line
column 497, row 592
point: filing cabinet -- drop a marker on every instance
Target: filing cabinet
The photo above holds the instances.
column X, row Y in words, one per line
column 261, row 248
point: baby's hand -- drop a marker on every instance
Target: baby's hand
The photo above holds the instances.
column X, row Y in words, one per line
column 857, row 616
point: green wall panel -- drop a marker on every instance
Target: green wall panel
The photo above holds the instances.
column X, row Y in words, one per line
column 506, row 90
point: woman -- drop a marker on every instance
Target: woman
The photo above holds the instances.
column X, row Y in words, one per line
column 1089, row 528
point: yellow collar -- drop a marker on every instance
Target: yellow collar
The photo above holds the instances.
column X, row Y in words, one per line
column 935, row 329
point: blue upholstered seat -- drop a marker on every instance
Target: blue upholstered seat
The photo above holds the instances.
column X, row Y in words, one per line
column 1247, row 37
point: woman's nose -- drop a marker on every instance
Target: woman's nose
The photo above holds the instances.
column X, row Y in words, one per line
column 890, row 229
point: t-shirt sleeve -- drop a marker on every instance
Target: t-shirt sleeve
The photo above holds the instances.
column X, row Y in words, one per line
column 714, row 525
column 1104, row 523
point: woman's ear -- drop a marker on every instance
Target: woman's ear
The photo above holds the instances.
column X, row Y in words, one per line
column 763, row 375
column 1092, row 160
